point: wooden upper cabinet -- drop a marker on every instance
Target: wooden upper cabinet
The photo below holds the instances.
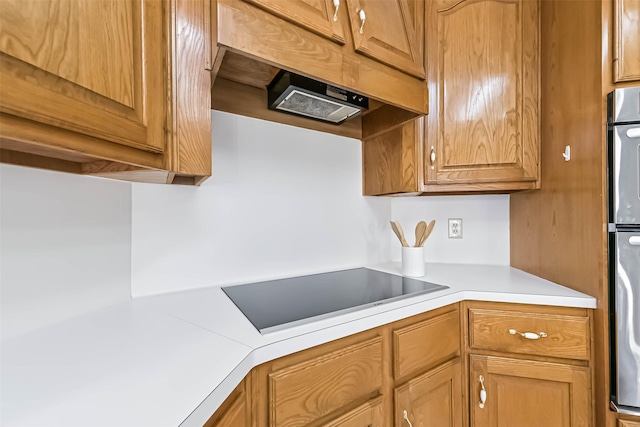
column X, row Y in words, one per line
column 482, row 130
column 626, row 63
column 319, row 16
column 384, row 63
column 91, row 67
column 483, row 66
column 114, row 88
column 391, row 32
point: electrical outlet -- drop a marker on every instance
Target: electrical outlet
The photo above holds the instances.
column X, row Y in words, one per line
column 455, row 228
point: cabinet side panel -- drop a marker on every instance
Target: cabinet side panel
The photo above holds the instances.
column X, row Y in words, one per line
column 559, row 232
column 191, row 148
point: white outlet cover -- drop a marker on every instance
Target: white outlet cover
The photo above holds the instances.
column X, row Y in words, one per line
column 455, row 228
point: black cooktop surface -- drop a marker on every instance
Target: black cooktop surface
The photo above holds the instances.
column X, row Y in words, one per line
column 278, row 304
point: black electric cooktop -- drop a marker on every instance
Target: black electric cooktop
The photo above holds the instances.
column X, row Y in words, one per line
column 279, row 304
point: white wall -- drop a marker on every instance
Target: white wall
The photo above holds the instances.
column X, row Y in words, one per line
column 282, row 201
column 485, row 225
column 65, row 245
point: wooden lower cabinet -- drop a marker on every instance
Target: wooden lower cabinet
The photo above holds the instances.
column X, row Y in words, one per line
column 530, row 365
column 433, row 399
column 368, row 414
column 417, row 371
column 234, row 412
column 527, row 393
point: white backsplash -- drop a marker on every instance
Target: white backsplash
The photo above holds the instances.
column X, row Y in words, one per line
column 285, row 201
column 282, row 201
column 65, row 246
column 485, row 227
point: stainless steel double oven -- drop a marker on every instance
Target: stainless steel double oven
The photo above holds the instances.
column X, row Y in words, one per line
column 623, row 143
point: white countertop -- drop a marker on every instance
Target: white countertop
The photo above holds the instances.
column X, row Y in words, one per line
column 173, row 359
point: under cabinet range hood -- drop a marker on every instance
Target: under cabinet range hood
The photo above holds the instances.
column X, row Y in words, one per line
column 294, row 94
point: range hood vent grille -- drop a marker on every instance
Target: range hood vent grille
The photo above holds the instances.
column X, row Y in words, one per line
column 294, row 94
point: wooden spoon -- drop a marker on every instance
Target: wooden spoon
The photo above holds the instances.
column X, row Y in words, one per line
column 395, row 226
column 427, row 232
column 420, row 229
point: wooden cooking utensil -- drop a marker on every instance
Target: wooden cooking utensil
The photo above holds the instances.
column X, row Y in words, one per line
column 420, row 229
column 397, row 229
column 427, row 232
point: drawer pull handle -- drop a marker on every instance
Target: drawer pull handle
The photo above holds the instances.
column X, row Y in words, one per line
column 529, row 335
column 432, row 157
column 363, row 19
column 336, row 5
column 483, row 393
column 406, row 418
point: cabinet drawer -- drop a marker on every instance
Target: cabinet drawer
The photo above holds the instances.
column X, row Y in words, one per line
column 425, row 344
column 302, row 393
column 559, row 335
column 369, row 414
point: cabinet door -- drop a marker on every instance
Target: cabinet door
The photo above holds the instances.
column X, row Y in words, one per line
column 92, row 67
column 319, row 16
column 483, row 65
column 391, row 32
column 526, row 393
column 433, row 399
column 626, row 64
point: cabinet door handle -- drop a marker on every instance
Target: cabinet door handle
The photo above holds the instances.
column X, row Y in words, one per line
column 432, row 157
column 363, row 18
column 483, row 393
column 336, row 5
column 529, row 335
column 406, row 418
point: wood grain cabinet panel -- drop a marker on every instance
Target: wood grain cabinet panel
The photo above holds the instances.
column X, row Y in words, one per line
column 234, row 412
column 433, row 399
column 319, row 16
column 483, row 74
column 559, row 335
column 92, row 67
column 626, row 39
column 369, row 414
column 527, row 393
column 391, row 32
column 307, row 391
column 425, row 344
column 99, row 87
column 629, row 423
column 390, row 160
